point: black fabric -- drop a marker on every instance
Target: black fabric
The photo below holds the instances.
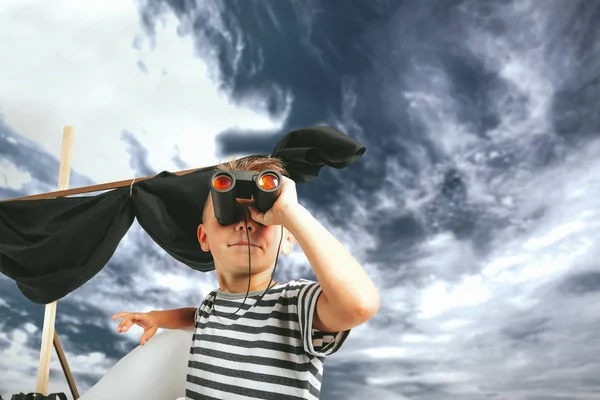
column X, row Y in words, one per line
column 38, row 396
column 169, row 208
column 51, row 247
column 306, row 150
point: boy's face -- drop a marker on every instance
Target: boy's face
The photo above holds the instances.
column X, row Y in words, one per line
column 228, row 244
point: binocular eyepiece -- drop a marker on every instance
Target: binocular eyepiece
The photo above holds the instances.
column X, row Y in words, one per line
column 227, row 186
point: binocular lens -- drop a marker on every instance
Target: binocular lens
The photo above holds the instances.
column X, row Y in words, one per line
column 268, row 181
column 222, row 182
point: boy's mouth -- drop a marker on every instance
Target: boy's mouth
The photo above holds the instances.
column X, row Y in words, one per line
column 243, row 244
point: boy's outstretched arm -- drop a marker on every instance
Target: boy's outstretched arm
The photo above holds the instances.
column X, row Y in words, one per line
column 349, row 296
column 169, row 319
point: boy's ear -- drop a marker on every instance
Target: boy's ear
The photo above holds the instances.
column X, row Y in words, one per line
column 203, row 238
column 289, row 241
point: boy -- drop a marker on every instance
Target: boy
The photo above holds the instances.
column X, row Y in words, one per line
column 255, row 338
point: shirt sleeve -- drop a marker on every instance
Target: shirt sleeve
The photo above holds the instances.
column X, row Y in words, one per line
column 202, row 307
column 196, row 316
column 316, row 342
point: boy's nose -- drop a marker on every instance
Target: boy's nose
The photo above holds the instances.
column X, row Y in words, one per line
column 241, row 224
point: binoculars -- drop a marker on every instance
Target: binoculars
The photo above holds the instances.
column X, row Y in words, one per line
column 227, row 186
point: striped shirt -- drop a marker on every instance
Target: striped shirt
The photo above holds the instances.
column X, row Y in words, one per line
column 267, row 350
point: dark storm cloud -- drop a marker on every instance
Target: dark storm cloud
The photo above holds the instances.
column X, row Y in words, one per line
column 292, row 46
column 526, row 329
column 370, row 52
column 343, row 379
column 450, row 210
column 574, row 104
column 235, row 141
column 399, row 232
column 138, row 155
column 18, row 310
column 8, row 193
column 280, row 38
column 581, row 283
column 27, row 156
column 87, row 337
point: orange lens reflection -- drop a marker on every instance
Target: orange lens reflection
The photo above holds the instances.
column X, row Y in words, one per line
column 222, row 182
column 268, row 181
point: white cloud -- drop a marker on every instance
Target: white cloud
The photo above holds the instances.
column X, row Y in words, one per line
column 385, row 352
column 453, row 324
column 430, row 377
column 31, row 328
column 176, row 282
column 74, row 64
column 441, row 296
column 186, row 283
column 439, row 115
column 93, row 363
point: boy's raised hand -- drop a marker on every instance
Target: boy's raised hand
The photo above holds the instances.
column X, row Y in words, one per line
column 145, row 320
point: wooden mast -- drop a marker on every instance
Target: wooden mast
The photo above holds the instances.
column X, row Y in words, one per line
column 50, row 311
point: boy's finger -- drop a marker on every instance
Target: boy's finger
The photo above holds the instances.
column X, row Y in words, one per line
column 120, row 327
column 140, row 317
column 130, row 322
column 119, row 315
column 147, row 335
column 256, row 215
column 125, row 324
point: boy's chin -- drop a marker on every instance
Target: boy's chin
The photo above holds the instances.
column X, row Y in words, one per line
column 241, row 266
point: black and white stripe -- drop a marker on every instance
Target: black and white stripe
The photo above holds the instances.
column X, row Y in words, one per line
column 268, row 350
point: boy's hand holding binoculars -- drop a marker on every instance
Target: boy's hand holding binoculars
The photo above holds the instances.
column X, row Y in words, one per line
column 285, row 203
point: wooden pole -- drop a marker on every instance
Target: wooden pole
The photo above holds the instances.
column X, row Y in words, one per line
column 65, row 366
column 93, row 188
column 50, row 312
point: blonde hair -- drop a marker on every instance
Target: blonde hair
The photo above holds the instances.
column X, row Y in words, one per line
column 253, row 164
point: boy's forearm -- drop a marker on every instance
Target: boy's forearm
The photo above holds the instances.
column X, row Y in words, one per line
column 345, row 283
column 174, row 319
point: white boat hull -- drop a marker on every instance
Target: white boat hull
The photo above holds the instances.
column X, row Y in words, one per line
column 155, row 371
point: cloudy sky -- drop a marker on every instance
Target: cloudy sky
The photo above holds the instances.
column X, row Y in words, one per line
column 475, row 208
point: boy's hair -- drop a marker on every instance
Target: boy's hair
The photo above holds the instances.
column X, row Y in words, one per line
column 252, row 164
